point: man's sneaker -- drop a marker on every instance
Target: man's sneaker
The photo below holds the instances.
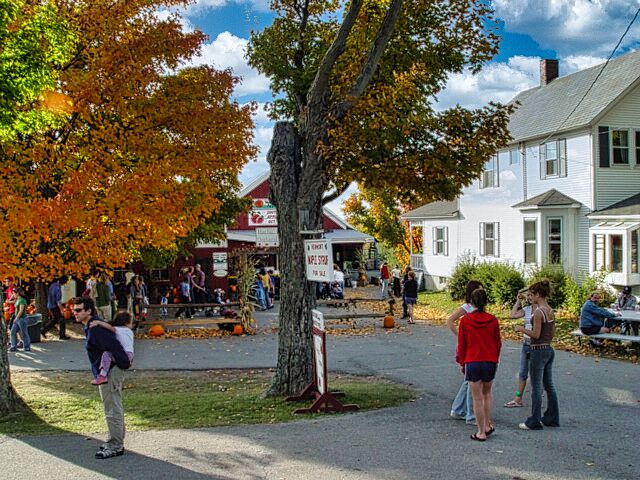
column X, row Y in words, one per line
column 109, row 452
column 13, row 349
column 523, row 426
column 99, row 380
column 595, row 342
column 456, row 416
column 28, row 349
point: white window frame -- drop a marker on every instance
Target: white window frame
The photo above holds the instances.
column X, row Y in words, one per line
column 484, row 239
column 514, row 152
column 533, row 242
column 490, row 174
column 560, row 159
column 555, row 242
column 440, row 236
column 623, row 148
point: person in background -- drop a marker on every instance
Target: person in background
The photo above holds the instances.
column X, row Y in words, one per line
column 395, row 282
column 625, row 301
column 20, row 322
column 405, row 277
column 103, row 298
column 198, row 285
column 541, row 359
column 411, row 295
column 266, row 287
column 478, row 353
column 338, row 276
column 9, row 298
column 462, row 406
column 164, row 300
column 184, row 294
column 384, row 279
column 272, row 282
column 55, row 307
column 595, row 319
column 521, row 310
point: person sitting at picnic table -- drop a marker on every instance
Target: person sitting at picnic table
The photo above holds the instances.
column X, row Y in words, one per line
column 595, row 319
column 625, row 301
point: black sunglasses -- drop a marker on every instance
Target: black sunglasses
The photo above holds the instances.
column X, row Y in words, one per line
column 78, row 309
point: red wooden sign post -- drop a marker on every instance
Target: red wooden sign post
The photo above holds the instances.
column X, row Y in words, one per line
column 318, row 390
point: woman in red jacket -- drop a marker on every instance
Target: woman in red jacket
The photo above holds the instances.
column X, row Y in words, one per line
column 478, row 353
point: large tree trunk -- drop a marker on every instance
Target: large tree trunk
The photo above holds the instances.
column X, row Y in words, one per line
column 8, row 396
column 41, row 300
column 294, row 369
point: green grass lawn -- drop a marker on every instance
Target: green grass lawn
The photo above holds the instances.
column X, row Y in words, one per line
column 65, row 402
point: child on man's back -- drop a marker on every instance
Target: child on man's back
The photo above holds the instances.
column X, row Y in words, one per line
column 121, row 326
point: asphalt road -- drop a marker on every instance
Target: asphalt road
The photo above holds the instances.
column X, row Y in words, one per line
column 598, row 438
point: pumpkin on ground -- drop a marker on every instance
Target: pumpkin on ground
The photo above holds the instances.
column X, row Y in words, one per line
column 388, row 322
column 238, row 330
column 156, row 331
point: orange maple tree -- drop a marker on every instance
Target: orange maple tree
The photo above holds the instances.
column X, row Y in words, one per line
column 144, row 152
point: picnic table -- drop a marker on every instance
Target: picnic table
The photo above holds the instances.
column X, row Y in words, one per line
column 630, row 321
column 628, row 330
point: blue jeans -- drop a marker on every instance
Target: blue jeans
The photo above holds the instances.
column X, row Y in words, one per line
column 385, row 287
column 20, row 323
column 523, row 374
column 463, row 403
column 540, row 373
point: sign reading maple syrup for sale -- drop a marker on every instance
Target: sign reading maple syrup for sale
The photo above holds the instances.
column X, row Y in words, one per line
column 318, row 259
column 263, row 213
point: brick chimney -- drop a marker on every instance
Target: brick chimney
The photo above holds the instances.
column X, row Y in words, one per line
column 548, row 71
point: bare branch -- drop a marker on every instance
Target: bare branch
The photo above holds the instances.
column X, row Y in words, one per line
column 320, row 83
column 373, row 58
column 339, row 190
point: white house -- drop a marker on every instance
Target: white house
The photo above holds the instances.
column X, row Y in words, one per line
column 566, row 190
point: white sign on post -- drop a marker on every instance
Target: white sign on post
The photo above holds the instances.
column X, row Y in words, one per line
column 319, row 353
column 318, row 259
column 220, row 265
column 267, row 237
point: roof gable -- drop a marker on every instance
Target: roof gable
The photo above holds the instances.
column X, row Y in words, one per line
column 627, row 207
column 438, row 209
column 548, row 109
column 550, row 198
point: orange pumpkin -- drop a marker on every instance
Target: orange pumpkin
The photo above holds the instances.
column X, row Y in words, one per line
column 238, row 330
column 7, row 315
column 156, row 331
column 233, row 288
column 66, row 313
column 388, row 322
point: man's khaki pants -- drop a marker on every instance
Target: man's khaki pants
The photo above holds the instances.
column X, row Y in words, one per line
column 111, row 394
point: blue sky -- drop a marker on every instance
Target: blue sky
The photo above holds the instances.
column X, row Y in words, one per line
column 579, row 33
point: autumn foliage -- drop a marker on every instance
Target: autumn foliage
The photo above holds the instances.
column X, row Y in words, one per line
column 144, row 150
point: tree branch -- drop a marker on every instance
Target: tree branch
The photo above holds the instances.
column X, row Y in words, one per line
column 339, row 190
column 321, row 81
column 373, row 58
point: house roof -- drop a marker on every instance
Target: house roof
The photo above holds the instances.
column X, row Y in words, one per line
column 550, row 198
column 433, row 210
column 336, row 236
column 627, row 207
column 548, row 109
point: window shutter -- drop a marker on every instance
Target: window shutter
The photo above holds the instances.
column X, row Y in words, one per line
column 603, row 146
column 562, row 157
column 446, row 241
column 481, row 238
column 496, row 171
column 434, row 242
column 496, row 242
column 543, row 162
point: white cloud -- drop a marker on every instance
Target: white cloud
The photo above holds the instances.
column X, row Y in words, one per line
column 574, row 63
column 227, row 51
column 570, row 27
column 200, row 7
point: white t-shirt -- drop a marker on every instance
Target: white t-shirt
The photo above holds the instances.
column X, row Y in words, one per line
column 467, row 307
column 125, row 337
column 528, row 320
column 338, row 276
column 395, row 273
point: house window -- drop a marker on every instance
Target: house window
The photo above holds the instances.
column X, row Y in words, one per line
column 553, row 159
column 441, row 241
column 159, row 274
column 490, row 174
column 638, row 147
column 489, row 239
column 620, row 147
column 514, row 156
column 599, row 260
column 530, row 241
column 615, row 246
column 635, row 254
column 554, row 240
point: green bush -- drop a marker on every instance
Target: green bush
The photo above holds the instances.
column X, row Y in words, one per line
column 501, row 280
column 575, row 295
column 557, row 278
column 464, row 272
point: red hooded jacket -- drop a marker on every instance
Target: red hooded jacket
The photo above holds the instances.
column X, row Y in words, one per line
column 478, row 338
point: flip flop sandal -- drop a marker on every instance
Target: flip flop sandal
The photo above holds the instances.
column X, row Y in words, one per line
column 491, row 430
column 477, row 438
column 512, row 404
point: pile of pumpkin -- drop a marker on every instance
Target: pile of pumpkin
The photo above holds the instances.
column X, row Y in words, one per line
column 157, row 331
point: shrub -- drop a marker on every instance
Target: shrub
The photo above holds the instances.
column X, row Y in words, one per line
column 575, row 295
column 557, row 278
column 465, row 271
column 501, row 280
